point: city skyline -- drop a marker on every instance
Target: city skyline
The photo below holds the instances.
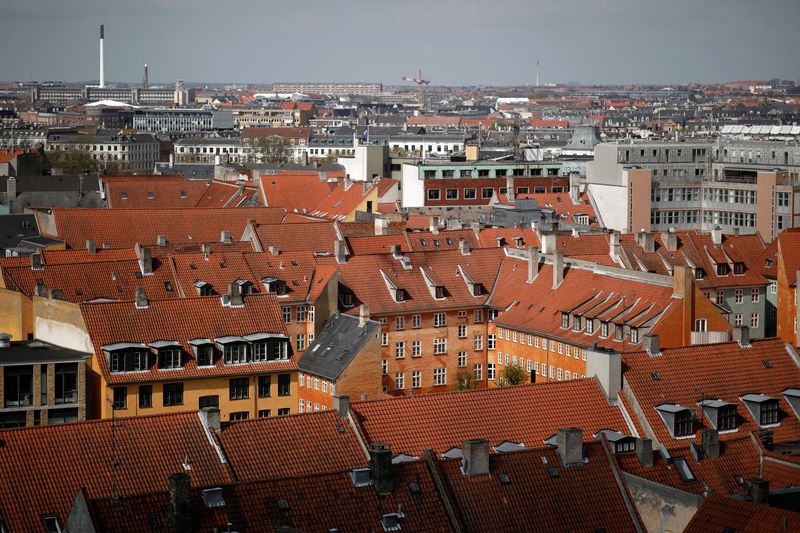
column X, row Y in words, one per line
column 276, row 43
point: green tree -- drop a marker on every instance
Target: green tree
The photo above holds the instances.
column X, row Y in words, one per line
column 272, row 149
column 465, row 380
column 514, row 375
column 73, row 161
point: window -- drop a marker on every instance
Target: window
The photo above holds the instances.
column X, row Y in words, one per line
column 66, row 383
column 462, row 331
column 399, row 380
column 266, row 413
column 169, row 358
column 301, row 342
column 287, row 314
column 477, row 372
column 634, row 335
column 739, row 295
column 491, row 342
column 564, row 320
column 754, row 320
column 560, row 348
column 129, row 361
column 499, row 358
column 316, row 383
column 726, row 418
column 120, row 398
column 470, row 194
column 400, row 350
column 400, row 323
column 384, row 367
column 440, row 346
column 416, row 348
column 478, row 316
column 544, row 369
column 239, row 415
column 490, row 371
column 701, row 325
column 145, row 396
column 560, row 374
column 416, row 321
column 478, row 342
column 487, row 192
column 416, row 379
column 515, row 336
column 434, row 194
column 235, row 353
column 384, row 339
column 604, row 329
column 208, row 401
column 239, row 388
column 773, row 287
column 284, row 385
column 552, row 372
column 451, row 194
column 173, row 394
column 439, row 377
column 720, row 297
column 682, row 426
column 302, row 312
column 589, row 326
column 769, row 413
column 51, row 524
column 205, row 355
column 552, row 346
column 755, row 295
column 439, row 319
column 462, row 359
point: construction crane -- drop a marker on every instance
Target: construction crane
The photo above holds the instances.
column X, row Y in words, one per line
column 420, row 87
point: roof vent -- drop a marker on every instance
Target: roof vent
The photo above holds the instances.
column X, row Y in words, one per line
column 504, row 479
column 391, row 522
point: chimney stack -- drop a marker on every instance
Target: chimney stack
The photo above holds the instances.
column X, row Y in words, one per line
column 40, row 289
column 180, row 510
column 102, row 59
column 381, row 226
column 380, row 467
column 145, row 258
column 710, row 441
column 211, row 418
column 548, row 243
column 614, row 246
column 741, row 334
column 225, row 237
column 670, row 240
column 533, row 263
column 759, row 491
column 463, row 246
column 475, row 457
column 363, row 315
column 235, row 294
column 433, row 225
column 341, row 404
column 644, row 452
column 570, row 446
column 274, row 250
column 510, row 188
column 91, row 246
column 146, row 77
column 606, row 366
column 558, row 269
column 141, row 299
column 340, row 251
column 648, row 242
column 161, row 240
column 11, row 188
column 206, row 248
column 396, row 253
column 575, row 187
column 716, row 236
column 651, row 345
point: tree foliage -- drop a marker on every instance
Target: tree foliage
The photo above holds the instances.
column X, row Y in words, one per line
column 514, row 375
column 271, row 149
column 465, row 380
column 73, row 161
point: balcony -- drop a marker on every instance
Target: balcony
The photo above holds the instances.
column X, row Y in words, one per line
column 709, row 337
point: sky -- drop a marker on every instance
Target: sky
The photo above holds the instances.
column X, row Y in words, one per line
column 455, row 42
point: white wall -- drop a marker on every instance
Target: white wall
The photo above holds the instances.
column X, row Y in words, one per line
column 412, row 186
column 611, row 203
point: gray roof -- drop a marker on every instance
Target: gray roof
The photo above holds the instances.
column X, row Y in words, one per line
column 37, row 352
column 340, row 340
column 14, row 228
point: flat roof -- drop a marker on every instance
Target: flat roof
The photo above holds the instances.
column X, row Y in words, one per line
column 38, row 352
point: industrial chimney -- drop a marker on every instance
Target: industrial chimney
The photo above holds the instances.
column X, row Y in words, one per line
column 146, row 80
column 102, row 61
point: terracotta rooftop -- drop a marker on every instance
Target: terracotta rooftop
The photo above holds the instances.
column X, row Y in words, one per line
column 730, row 515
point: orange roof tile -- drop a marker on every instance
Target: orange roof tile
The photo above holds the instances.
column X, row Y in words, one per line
column 727, row 514
column 311, row 236
column 152, row 191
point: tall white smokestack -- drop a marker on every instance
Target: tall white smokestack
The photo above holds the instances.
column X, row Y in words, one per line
column 146, row 80
column 102, row 62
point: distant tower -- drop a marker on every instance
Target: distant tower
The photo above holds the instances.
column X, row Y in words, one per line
column 102, row 62
column 537, row 72
column 146, row 81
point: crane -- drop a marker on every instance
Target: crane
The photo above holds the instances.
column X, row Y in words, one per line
column 420, row 87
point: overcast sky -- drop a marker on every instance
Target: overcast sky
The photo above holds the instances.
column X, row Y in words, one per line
column 456, row 42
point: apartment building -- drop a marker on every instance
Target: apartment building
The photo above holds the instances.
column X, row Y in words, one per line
column 138, row 151
column 180, row 120
column 332, row 88
column 290, row 114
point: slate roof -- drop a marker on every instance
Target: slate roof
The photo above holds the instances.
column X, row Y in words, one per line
column 336, row 345
column 442, row 421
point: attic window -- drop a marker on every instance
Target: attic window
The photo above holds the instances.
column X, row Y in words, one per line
column 738, row 269
column 124, row 196
column 439, row 293
column 150, row 195
column 213, row 498
column 722, row 415
column 361, row 477
column 678, row 419
column 183, row 194
column 764, row 409
column 565, row 320
column 723, row 269
column 391, row 522
column 504, row 479
column 51, row 524
column 683, row 470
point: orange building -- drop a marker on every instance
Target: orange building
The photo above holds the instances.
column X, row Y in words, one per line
column 551, row 312
column 788, row 267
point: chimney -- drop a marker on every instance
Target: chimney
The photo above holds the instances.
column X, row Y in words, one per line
column 381, row 226
column 40, row 289
column 235, row 294
column 211, row 418
column 274, row 250
column 396, row 253
column 716, row 236
column 206, row 248
column 533, row 263
column 670, row 240
column 141, row 299
column 91, row 246
column 363, row 315
column 510, row 188
column 180, row 511
column 574, row 187
column 741, row 334
column 651, row 345
column 161, row 240
column 614, row 247
column 558, row 269
column 340, row 251
column 606, row 366
column 145, row 259
column 341, row 404
column 759, row 491
column 36, row 260
column 225, row 237
column 644, row 452
column 570, row 446
column 648, row 242
column 682, row 282
column 433, row 225
column 475, row 457
column 11, row 188
column 710, row 442
column 56, row 294
column 548, row 243
column 463, row 246
column 380, row 467
column 102, row 58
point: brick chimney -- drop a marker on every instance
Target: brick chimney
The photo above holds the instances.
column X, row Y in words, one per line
column 710, row 442
column 225, row 237
column 179, row 510
column 670, row 240
column 510, row 188
column 235, row 294
column 570, row 446
column 606, row 366
column 380, row 467
column 341, row 404
column 433, row 225
column 141, row 299
column 475, row 457
column 145, row 258
column 463, row 246
column 759, row 491
column 644, row 452
column 211, row 418
column 648, row 242
column 533, row 263
column 340, row 251
column 381, row 226
column 716, row 236
column 614, row 247
column 558, row 269
column 651, row 345
column 548, row 243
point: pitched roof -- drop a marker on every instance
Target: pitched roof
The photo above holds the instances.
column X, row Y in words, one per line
column 121, row 228
column 687, row 375
column 442, row 421
column 298, row 192
column 152, row 191
column 727, row 514
column 309, row 236
column 336, row 345
column 42, row 468
column 227, row 194
column 789, row 253
column 182, row 320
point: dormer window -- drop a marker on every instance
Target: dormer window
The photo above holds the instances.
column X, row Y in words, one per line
column 699, row 273
column 234, row 349
column 245, row 287
column 274, row 286
column 399, row 295
column 589, row 326
column 203, row 351
column 267, row 347
column 722, row 269
column 168, row 354
column 678, row 419
column 564, row 320
column 634, row 335
column 619, row 332
column 203, row 288
column 576, row 323
column 721, row 415
column 763, row 408
column 604, row 329
column 439, row 291
column 127, row 357
column 738, row 269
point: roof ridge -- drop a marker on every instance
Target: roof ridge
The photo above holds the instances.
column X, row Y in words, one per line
column 67, row 426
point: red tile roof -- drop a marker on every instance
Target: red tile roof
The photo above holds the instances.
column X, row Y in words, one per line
column 789, row 253
column 227, row 194
column 689, row 374
column 301, row 192
column 310, row 236
column 726, row 514
column 42, row 468
column 442, row 421
column 152, row 191
column 121, row 228
column 181, row 320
